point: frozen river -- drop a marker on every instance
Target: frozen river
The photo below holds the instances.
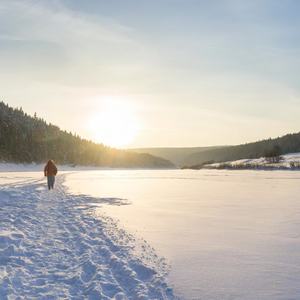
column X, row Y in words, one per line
column 226, row 234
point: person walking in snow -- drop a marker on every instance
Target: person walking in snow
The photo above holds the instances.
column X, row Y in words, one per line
column 50, row 171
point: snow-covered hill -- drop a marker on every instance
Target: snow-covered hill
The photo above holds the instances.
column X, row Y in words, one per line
column 287, row 161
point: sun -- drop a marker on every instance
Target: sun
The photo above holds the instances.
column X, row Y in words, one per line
column 115, row 124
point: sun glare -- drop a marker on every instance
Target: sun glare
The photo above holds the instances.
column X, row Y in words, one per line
column 115, row 124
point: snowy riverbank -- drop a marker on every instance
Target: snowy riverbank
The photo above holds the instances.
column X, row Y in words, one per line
column 53, row 246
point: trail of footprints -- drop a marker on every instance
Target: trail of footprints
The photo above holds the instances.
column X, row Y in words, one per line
column 52, row 247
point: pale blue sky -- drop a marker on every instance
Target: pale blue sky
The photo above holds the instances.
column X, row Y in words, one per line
column 191, row 72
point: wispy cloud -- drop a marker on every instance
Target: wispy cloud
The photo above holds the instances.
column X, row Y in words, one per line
column 51, row 21
column 38, row 36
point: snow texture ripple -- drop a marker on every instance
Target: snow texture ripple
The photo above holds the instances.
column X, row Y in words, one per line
column 53, row 246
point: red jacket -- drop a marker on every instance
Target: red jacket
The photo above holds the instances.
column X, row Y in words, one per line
column 50, row 169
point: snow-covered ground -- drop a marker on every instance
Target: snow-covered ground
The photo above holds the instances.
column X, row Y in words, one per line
column 287, row 161
column 227, row 235
column 53, row 246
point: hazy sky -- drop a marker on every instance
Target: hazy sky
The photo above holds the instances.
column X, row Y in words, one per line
column 172, row 72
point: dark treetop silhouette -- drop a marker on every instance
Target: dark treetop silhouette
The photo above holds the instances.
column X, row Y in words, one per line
column 26, row 139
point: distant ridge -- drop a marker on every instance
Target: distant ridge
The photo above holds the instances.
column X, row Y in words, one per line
column 176, row 155
column 27, row 139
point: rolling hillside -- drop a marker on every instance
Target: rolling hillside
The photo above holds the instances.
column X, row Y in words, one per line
column 175, row 155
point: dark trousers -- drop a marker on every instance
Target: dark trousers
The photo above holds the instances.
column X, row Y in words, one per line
column 50, row 180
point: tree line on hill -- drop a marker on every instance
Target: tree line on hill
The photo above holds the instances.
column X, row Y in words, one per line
column 269, row 148
column 272, row 157
column 27, row 139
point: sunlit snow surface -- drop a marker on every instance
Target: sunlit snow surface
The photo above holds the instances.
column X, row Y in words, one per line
column 227, row 234
column 54, row 246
